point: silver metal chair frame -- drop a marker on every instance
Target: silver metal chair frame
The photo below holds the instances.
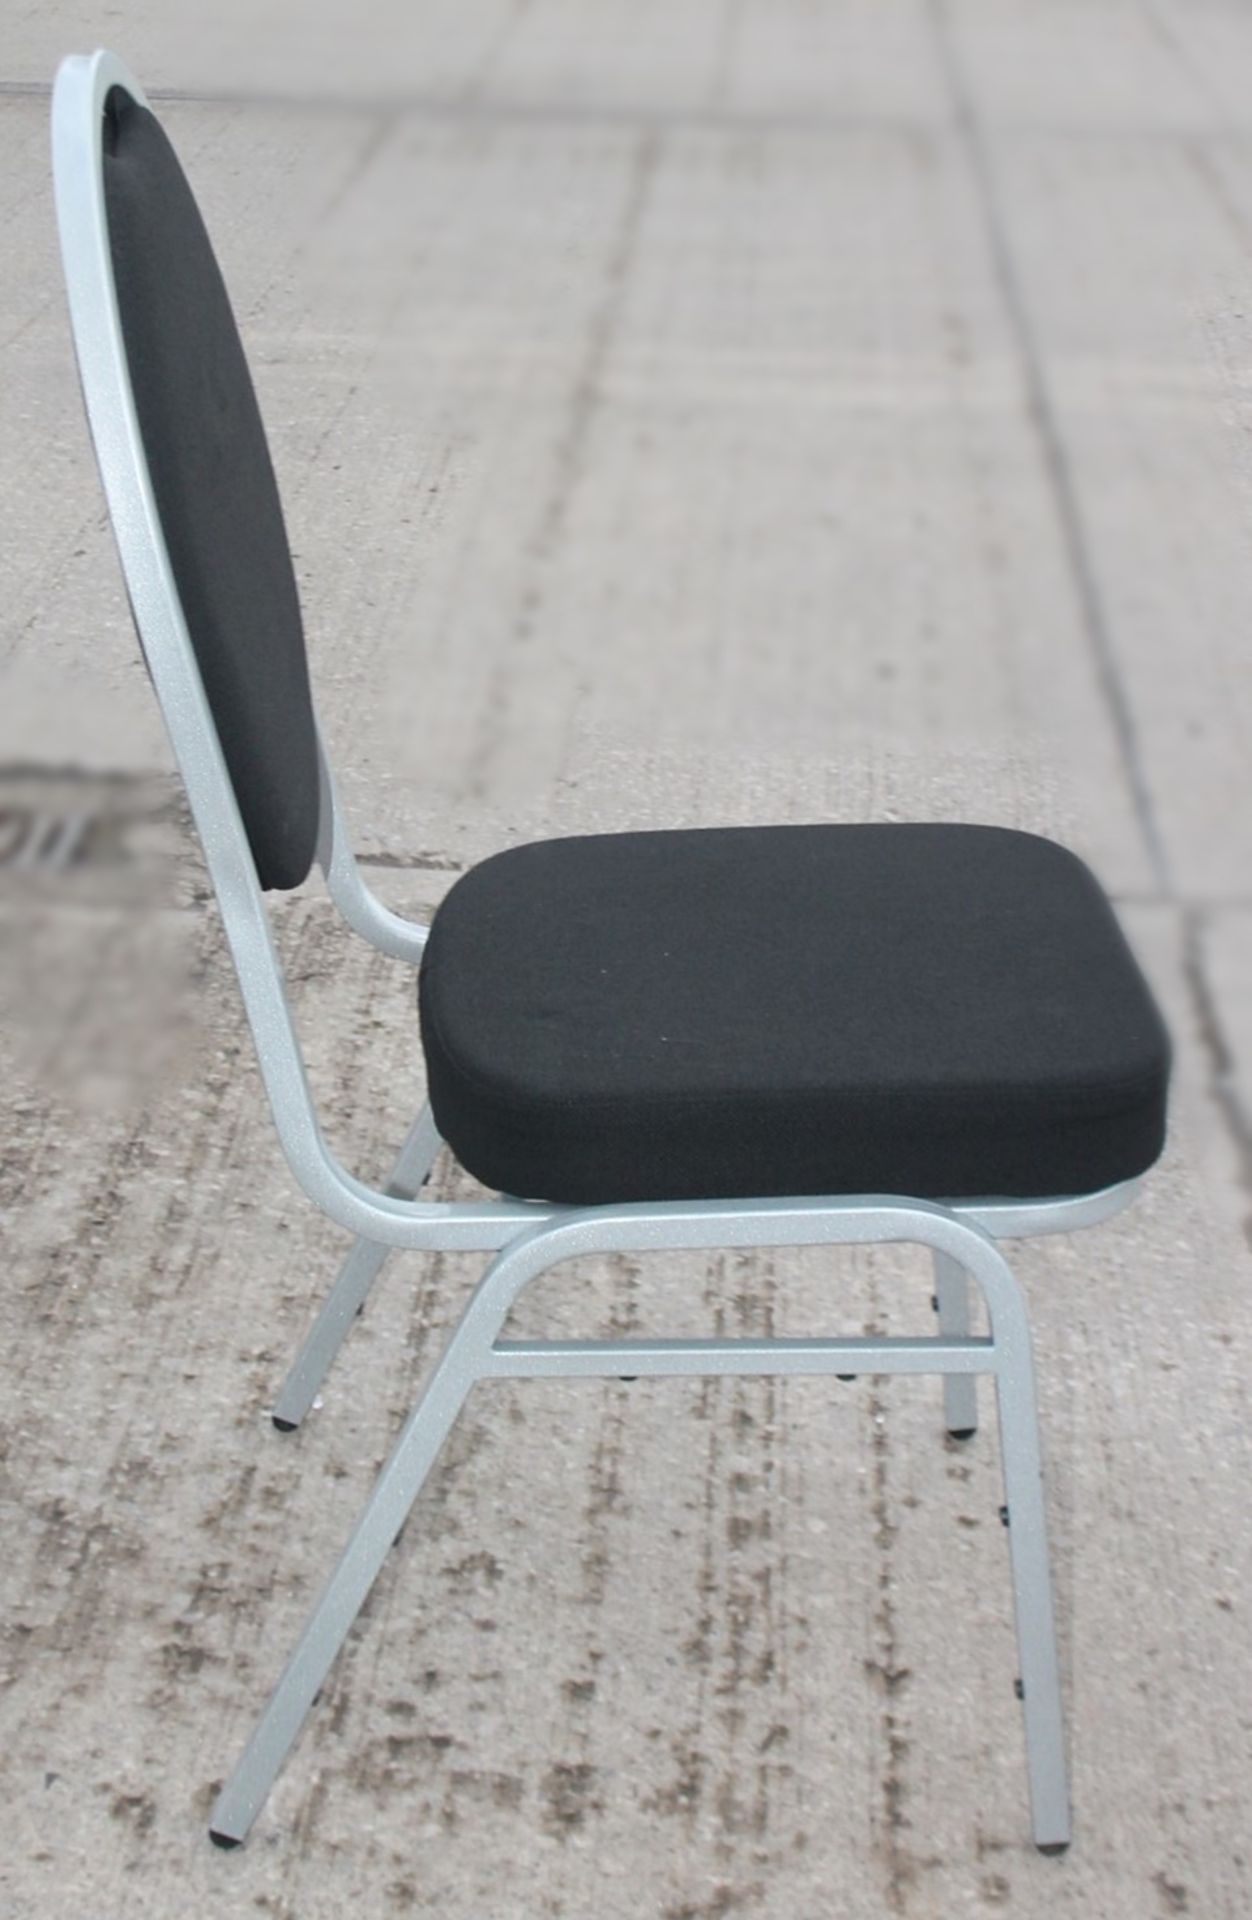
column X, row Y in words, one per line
column 526, row 1238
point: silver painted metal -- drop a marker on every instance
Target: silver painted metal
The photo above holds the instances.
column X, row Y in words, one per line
column 474, row 1352
column 526, row 1237
column 402, row 939
column 960, row 1392
column 357, row 1275
column 670, row 1359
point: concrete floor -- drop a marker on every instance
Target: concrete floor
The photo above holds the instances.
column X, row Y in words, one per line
column 687, row 412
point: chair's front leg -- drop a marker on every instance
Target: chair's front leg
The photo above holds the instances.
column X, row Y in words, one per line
column 357, row 1275
column 960, row 1390
column 1040, row 1681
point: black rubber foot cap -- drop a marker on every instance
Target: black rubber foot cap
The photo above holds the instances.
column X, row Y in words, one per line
column 284, row 1426
column 224, row 1840
column 961, row 1433
column 1054, row 1847
column 628, row 1379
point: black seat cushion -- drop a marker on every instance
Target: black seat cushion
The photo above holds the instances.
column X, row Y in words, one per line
column 938, row 1011
column 215, row 490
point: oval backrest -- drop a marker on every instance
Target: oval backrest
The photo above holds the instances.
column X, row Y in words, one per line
column 215, row 490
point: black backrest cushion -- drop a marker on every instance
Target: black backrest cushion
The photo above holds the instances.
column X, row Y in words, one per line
column 215, row 489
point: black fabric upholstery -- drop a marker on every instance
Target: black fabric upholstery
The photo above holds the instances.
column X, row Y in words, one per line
column 215, row 490
column 939, row 1011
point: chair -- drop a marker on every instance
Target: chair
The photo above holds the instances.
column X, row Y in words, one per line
column 822, row 1035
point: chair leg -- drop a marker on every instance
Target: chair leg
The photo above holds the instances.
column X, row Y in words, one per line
column 1040, row 1683
column 361, row 1267
column 471, row 1355
column 960, row 1390
column 386, row 1510
column 466, row 1358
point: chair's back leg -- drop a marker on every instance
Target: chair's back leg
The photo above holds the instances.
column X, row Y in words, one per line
column 357, row 1275
column 960, row 1390
column 397, row 1487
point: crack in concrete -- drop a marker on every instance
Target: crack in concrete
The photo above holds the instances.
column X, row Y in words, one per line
column 464, row 105
column 886, row 1668
column 411, row 862
column 569, row 456
column 1167, row 38
column 1042, row 411
column 1214, row 184
column 1222, row 1081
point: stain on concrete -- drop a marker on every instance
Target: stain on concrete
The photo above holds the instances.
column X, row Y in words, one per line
column 569, row 1796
